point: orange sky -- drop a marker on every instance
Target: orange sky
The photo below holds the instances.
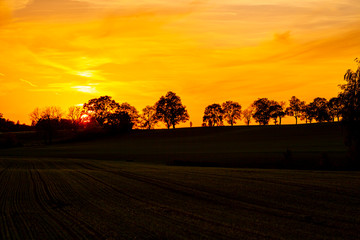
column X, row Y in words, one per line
column 65, row 52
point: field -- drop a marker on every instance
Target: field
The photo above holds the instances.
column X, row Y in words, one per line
column 308, row 146
column 82, row 199
column 133, row 187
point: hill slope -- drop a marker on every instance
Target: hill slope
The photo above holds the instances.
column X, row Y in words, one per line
column 299, row 146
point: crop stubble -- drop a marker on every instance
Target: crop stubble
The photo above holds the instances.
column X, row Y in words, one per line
column 86, row 199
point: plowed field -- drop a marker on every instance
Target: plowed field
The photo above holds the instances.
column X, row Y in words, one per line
column 42, row 198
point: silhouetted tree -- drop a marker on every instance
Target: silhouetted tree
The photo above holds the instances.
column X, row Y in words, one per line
column 295, row 108
column 282, row 111
column 170, row 110
column 101, row 108
column 335, row 108
column 320, row 106
column 7, row 125
column 276, row 111
column 35, row 116
column 119, row 121
column 74, row 115
column 47, row 121
column 213, row 115
column 232, row 112
column 247, row 114
column 350, row 94
column 148, row 117
column 262, row 112
column 308, row 113
column 350, row 98
column 132, row 112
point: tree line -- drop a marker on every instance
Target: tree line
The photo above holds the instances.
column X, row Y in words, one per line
column 7, row 125
column 263, row 110
column 104, row 112
column 345, row 106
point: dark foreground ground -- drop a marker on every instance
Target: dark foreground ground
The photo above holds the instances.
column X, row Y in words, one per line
column 158, row 185
column 306, row 146
column 53, row 198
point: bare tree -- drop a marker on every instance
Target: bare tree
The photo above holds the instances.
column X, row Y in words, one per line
column 75, row 114
column 35, row 116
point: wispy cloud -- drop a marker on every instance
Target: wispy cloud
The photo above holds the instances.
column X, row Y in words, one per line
column 28, row 82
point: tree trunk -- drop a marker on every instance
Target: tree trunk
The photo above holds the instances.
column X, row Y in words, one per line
column 296, row 120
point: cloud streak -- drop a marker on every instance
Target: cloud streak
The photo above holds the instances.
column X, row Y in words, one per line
column 28, row 82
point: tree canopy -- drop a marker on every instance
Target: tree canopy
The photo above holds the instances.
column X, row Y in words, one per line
column 296, row 107
column 148, row 117
column 231, row 112
column 170, row 110
column 132, row 112
column 262, row 111
column 350, row 94
column 101, row 108
column 213, row 115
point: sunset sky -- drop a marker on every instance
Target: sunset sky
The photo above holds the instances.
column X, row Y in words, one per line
column 65, row 52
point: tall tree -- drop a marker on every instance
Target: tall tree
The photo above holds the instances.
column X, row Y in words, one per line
column 170, row 110
column 350, row 98
column 232, row 112
column 213, row 115
column 295, row 108
column 101, row 108
column 148, row 117
column 350, row 94
column 262, row 112
column 132, row 112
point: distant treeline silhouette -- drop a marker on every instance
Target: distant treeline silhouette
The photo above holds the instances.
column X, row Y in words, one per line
column 106, row 113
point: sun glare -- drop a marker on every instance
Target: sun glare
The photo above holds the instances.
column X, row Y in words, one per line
column 87, row 74
column 85, row 89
